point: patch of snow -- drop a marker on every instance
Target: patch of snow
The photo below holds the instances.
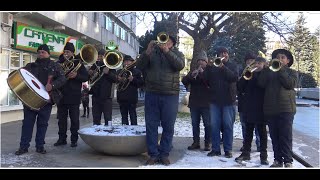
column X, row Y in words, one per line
column 115, row 130
column 24, row 160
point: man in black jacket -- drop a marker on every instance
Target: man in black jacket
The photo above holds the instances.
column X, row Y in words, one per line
column 252, row 112
column 42, row 68
column 199, row 102
column 222, row 82
column 71, row 100
column 161, row 64
column 102, row 91
column 128, row 98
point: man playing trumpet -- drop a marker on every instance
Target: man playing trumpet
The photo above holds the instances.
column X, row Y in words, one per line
column 280, row 105
column 199, row 103
column 252, row 111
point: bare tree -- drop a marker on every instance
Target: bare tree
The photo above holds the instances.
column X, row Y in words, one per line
column 205, row 27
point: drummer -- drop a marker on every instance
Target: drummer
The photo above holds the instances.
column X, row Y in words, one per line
column 42, row 69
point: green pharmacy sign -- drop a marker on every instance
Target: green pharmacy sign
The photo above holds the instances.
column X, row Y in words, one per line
column 29, row 38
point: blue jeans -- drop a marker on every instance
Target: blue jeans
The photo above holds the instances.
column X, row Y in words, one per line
column 225, row 116
column 243, row 125
column 160, row 108
column 30, row 117
column 196, row 113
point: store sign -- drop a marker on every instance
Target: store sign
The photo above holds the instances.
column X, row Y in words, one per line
column 29, row 38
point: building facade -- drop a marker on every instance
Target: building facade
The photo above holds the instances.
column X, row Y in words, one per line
column 22, row 32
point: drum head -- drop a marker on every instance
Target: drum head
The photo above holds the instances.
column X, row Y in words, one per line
column 34, row 84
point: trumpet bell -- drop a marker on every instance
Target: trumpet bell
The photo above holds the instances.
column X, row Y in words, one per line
column 162, row 37
column 89, row 54
column 113, row 59
column 217, row 61
column 275, row 65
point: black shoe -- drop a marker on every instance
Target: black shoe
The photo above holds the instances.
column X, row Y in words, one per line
column 60, row 142
column 276, row 164
column 207, row 146
column 194, row 145
column 41, row 150
column 21, row 151
column 288, row 165
column 151, row 161
column 214, row 153
column 165, row 161
column 243, row 157
column 264, row 161
column 74, row 144
column 228, row 154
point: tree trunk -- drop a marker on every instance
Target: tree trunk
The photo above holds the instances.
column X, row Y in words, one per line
column 198, row 46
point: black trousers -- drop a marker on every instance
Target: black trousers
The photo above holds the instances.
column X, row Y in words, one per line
column 71, row 110
column 126, row 108
column 280, row 127
column 101, row 106
column 262, row 131
column 85, row 105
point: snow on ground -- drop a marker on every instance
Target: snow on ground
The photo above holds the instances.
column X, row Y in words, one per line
column 25, row 160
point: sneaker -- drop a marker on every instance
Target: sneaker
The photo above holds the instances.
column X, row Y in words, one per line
column 21, row 151
column 151, row 161
column 276, row 164
column 243, row 157
column 228, row 154
column 74, row 144
column 288, row 165
column 165, row 161
column 194, row 145
column 207, row 146
column 60, row 142
column 41, row 150
column 214, row 153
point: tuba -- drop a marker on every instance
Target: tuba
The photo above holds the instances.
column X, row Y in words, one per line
column 275, row 65
column 125, row 74
column 88, row 54
column 112, row 59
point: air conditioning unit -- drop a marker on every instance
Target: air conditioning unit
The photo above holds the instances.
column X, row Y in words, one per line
column 7, row 19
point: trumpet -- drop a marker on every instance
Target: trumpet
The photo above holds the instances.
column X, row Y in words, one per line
column 218, row 61
column 275, row 65
column 162, row 38
column 196, row 73
column 247, row 73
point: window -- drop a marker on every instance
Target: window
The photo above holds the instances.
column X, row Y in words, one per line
column 26, row 58
column 123, row 34
column 15, row 59
column 95, row 17
column 116, row 30
column 109, row 24
column 129, row 38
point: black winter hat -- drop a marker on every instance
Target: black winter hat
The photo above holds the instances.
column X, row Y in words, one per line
column 127, row 57
column 250, row 55
column 102, row 52
column 44, row 47
column 260, row 59
column 69, row 46
column 285, row 52
column 221, row 50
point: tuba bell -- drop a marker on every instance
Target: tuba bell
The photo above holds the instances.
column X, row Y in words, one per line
column 113, row 58
column 275, row 65
column 88, row 54
column 125, row 73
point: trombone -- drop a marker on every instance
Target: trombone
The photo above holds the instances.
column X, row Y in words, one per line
column 275, row 65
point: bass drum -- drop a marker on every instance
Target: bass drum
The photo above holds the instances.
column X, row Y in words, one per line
column 30, row 91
